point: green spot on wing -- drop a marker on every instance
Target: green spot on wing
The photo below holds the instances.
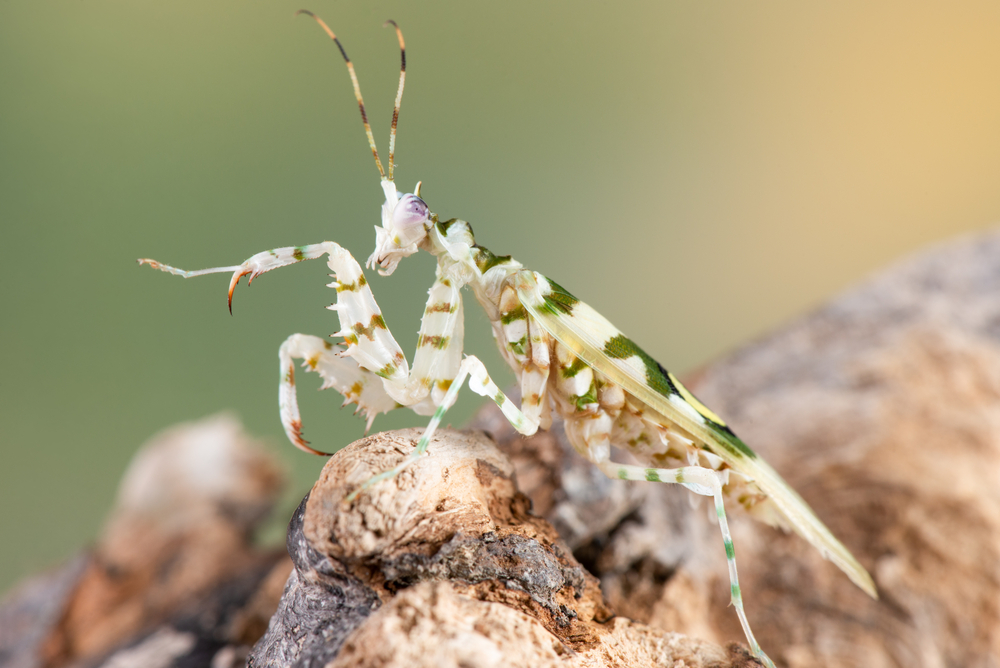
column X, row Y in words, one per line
column 659, row 379
column 652, row 475
column 730, row 550
column 728, row 438
column 559, row 301
column 621, row 347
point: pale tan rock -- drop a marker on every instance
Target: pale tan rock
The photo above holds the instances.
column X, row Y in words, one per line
column 454, row 514
column 460, row 487
column 431, row 625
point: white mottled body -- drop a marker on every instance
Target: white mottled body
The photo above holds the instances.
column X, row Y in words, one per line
column 567, row 358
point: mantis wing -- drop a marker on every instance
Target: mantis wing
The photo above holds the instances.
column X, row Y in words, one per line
column 600, row 345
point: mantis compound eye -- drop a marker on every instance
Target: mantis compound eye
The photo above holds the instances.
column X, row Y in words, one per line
column 404, row 228
column 410, row 211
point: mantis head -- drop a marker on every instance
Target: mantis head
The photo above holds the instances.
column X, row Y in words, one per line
column 405, row 223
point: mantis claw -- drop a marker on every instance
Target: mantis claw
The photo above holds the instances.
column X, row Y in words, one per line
column 237, row 275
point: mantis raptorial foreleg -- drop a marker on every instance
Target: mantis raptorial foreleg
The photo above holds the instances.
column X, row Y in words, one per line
column 435, row 364
column 377, row 377
column 358, row 386
column 369, row 341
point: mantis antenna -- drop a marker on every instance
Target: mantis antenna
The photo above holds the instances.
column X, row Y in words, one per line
column 399, row 94
column 357, row 91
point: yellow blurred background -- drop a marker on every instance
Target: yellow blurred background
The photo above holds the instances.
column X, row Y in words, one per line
column 699, row 172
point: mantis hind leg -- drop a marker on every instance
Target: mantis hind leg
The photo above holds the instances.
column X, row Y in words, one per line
column 708, row 483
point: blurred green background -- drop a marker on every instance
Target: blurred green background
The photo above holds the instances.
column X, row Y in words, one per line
column 699, row 172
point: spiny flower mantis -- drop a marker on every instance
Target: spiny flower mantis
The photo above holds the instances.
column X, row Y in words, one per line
column 566, row 356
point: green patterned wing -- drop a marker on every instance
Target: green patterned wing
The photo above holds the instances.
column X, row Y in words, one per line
column 604, row 348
